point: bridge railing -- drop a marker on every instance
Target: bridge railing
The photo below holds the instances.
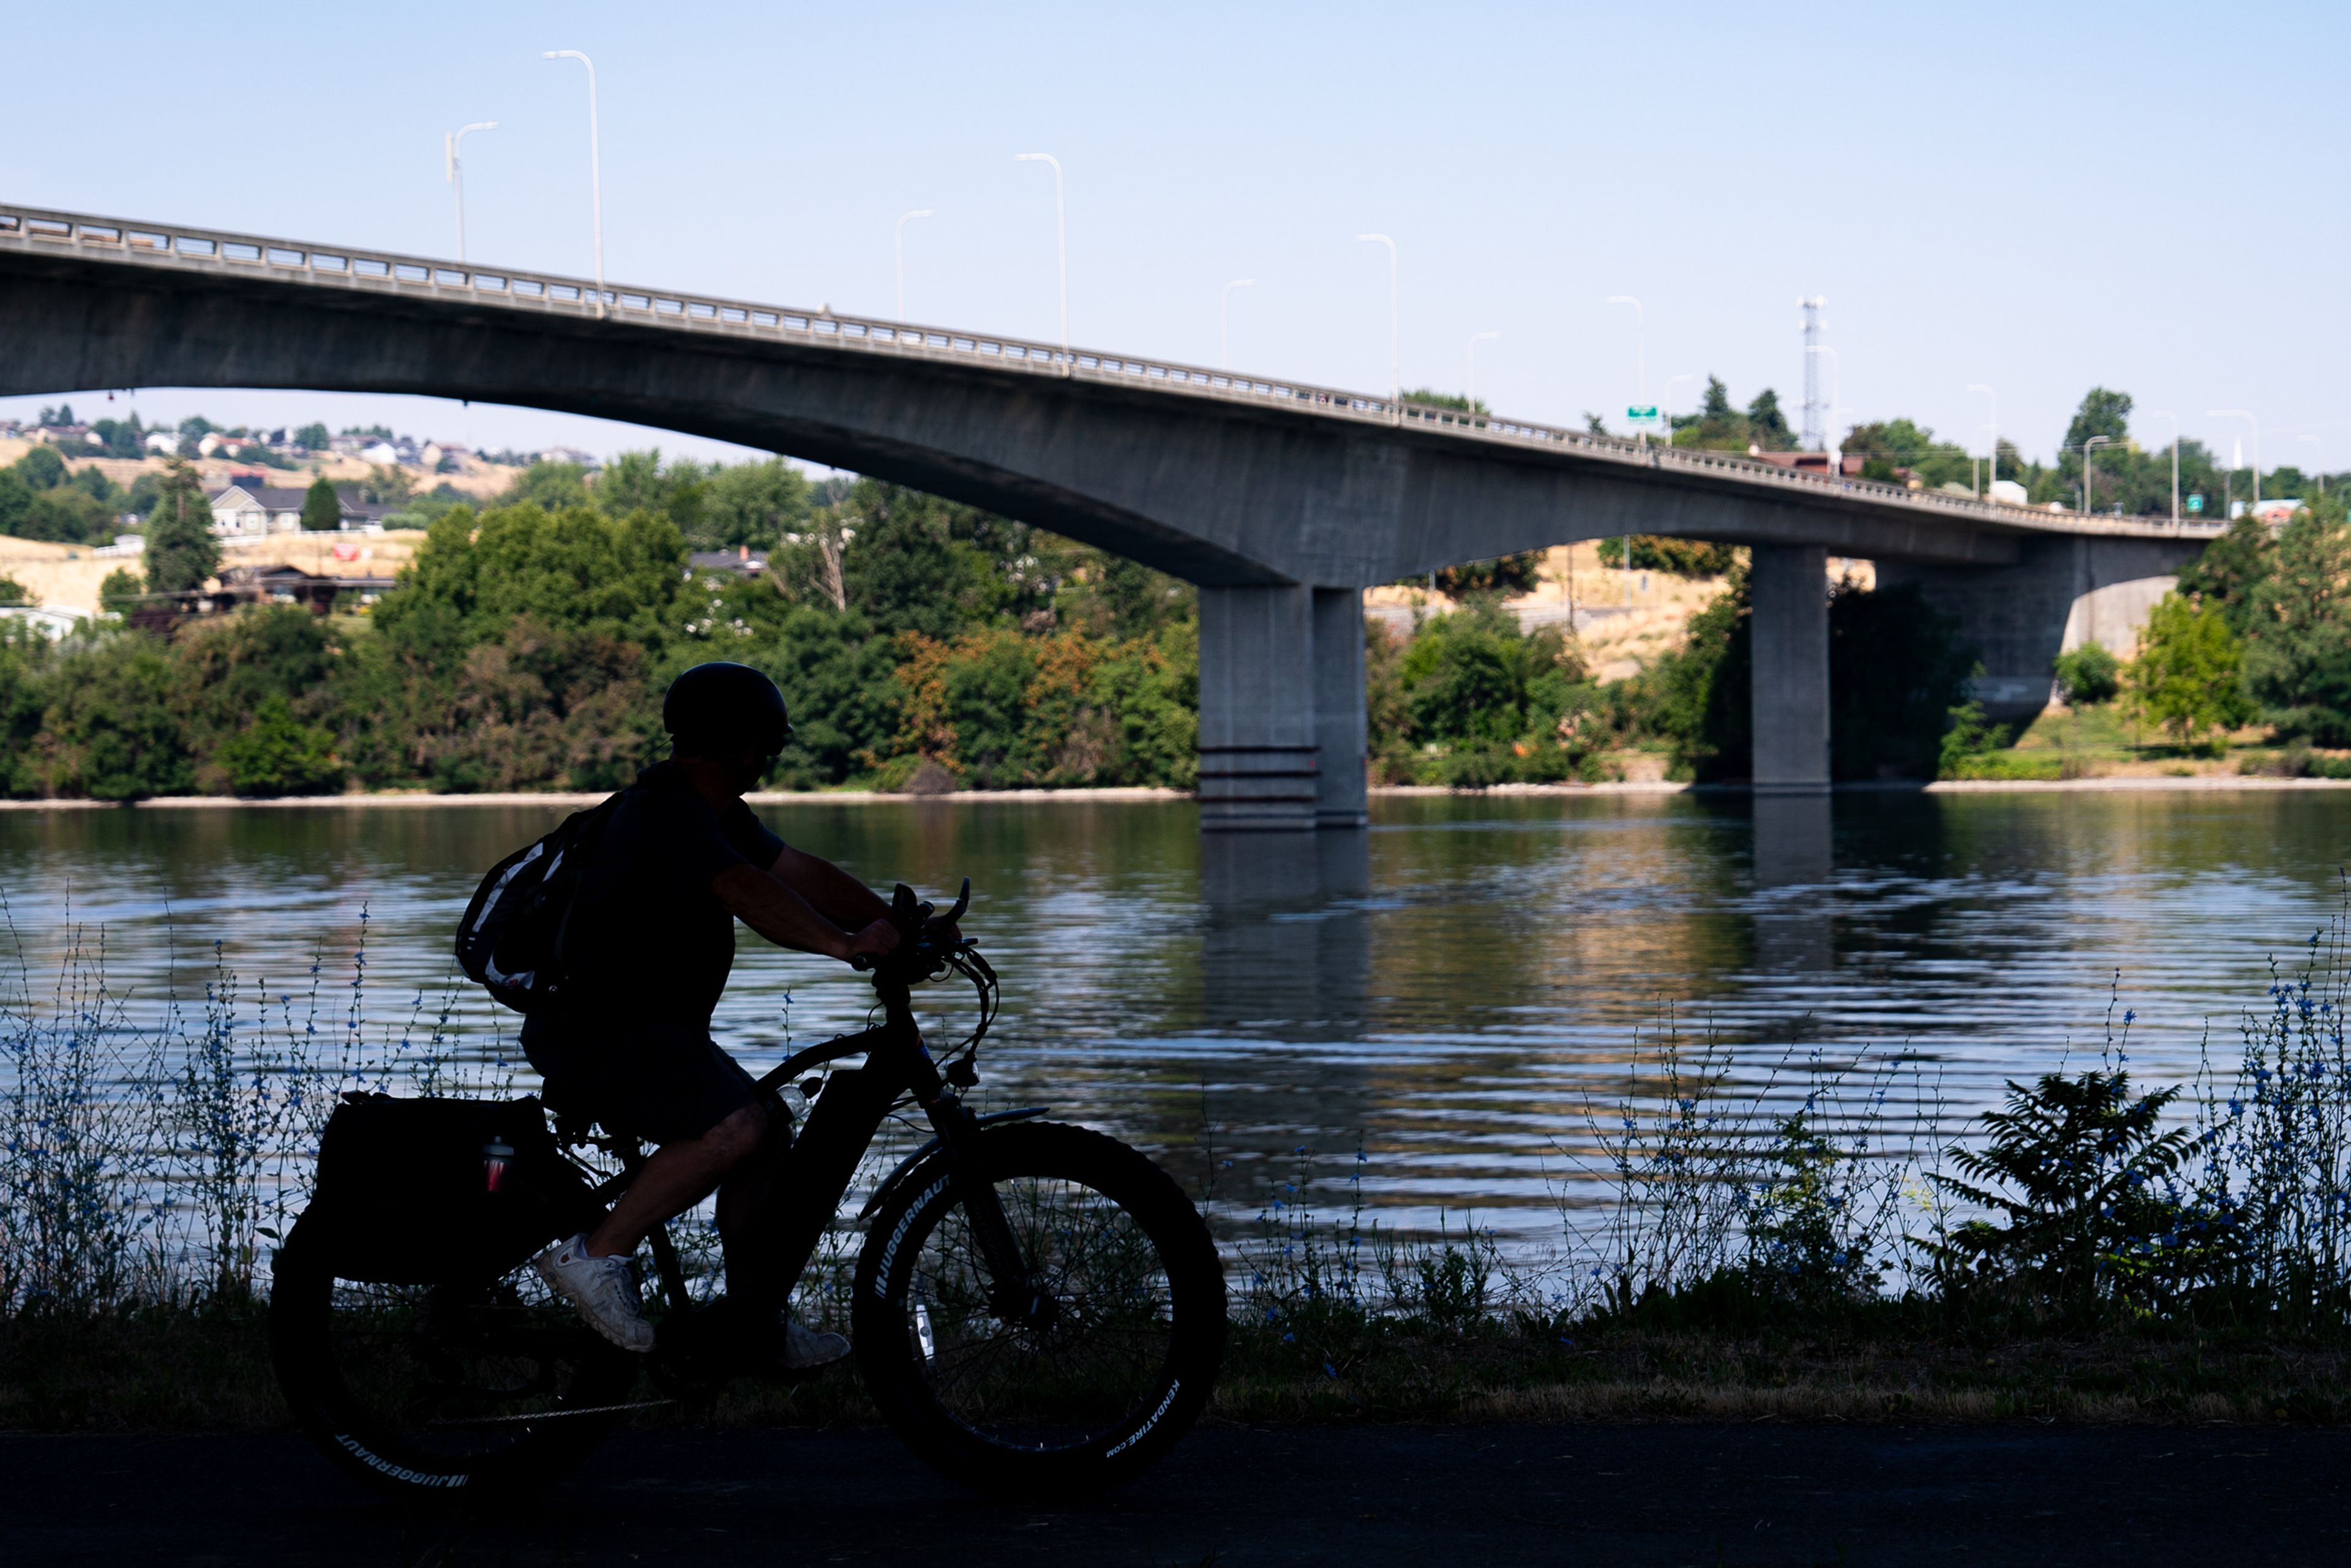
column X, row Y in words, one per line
column 362, row 269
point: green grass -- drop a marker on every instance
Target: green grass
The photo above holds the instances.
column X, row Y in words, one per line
column 162, row 1369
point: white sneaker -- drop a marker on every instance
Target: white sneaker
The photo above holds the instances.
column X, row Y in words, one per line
column 807, row 1348
column 603, row 1291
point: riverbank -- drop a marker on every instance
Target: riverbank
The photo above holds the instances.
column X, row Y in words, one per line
column 2158, row 785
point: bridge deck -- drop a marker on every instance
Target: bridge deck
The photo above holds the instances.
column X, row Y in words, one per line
column 177, row 248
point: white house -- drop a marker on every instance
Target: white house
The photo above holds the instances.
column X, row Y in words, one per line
column 166, row 442
column 51, row 621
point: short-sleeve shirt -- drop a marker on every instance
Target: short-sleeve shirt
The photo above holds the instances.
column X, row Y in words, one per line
column 648, row 941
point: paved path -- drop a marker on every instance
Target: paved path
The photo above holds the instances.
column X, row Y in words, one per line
column 1448, row 1496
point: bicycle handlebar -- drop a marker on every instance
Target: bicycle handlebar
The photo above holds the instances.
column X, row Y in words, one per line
column 920, row 956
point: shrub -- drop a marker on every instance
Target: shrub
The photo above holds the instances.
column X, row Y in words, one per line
column 2089, row 674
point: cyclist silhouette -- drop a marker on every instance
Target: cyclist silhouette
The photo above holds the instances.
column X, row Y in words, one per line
column 648, row 947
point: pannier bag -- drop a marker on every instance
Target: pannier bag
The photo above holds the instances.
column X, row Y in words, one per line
column 511, row 939
column 419, row 1192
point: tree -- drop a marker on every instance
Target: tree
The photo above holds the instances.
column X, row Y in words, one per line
column 322, row 508
column 2231, row 566
column 753, row 504
column 1769, row 426
column 16, row 501
column 2187, row 677
column 13, row 592
column 2103, row 412
column 2298, row 626
column 313, row 438
column 181, row 550
column 548, row 486
column 41, row 468
column 276, row 753
column 118, row 594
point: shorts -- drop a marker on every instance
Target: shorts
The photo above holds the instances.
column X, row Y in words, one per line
column 663, row 1080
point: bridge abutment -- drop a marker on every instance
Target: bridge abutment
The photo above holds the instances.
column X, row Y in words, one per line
column 2062, row 592
column 1789, row 591
column 1281, row 709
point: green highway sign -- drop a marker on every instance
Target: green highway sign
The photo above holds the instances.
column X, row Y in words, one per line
column 2195, row 503
column 1646, row 412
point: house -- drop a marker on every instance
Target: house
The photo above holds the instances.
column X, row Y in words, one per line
column 382, row 453
column 2276, row 512
column 1849, row 464
column 571, row 454
column 165, row 442
column 68, row 435
column 51, row 621
column 249, row 509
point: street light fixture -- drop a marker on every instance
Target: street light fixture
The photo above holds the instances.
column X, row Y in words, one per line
column 2089, row 472
column 595, row 164
column 1060, row 238
column 1475, row 339
column 901, row 237
column 2158, row 413
column 451, row 145
column 2320, row 472
column 2249, row 419
column 1992, row 469
column 1225, row 320
column 1395, row 374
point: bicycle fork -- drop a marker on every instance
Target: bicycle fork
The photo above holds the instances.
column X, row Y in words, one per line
column 1012, row 1292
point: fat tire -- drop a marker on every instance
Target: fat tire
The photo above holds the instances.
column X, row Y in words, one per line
column 888, row 1359
column 340, row 1425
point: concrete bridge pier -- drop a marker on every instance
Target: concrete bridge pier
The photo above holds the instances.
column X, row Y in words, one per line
column 1281, row 708
column 1789, row 628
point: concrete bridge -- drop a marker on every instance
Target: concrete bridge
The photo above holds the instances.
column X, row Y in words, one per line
column 1281, row 500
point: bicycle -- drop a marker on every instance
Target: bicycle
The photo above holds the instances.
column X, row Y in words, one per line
column 1038, row 1308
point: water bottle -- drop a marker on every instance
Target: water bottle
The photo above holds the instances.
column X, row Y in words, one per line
column 496, row 1153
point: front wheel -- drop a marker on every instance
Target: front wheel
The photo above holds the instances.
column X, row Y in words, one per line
column 1113, row 1353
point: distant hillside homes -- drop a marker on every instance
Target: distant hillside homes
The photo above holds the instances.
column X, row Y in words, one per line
column 248, row 509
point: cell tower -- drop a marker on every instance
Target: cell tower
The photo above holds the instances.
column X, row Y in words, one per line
column 1815, row 412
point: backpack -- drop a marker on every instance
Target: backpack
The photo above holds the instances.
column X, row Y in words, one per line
column 432, row 1191
column 511, row 939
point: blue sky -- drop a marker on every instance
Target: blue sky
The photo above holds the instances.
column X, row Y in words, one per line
column 2040, row 198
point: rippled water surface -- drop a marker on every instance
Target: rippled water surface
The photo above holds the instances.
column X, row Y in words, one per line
column 1452, row 990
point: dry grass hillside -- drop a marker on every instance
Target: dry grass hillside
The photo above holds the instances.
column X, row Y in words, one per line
column 66, row 576
column 1622, row 619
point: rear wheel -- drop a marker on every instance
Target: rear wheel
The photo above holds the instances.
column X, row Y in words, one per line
column 446, row 1390
column 1096, row 1381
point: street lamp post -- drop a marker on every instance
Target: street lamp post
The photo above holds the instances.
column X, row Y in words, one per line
column 1396, row 373
column 2158, row 413
column 1992, row 469
column 1666, row 405
column 595, row 165
column 2089, row 472
column 1225, row 320
column 2249, row 419
column 1060, row 238
column 453, row 145
column 2320, row 472
column 1640, row 349
column 900, row 238
column 1475, row 339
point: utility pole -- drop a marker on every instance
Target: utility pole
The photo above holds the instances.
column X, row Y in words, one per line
column 1815, row 436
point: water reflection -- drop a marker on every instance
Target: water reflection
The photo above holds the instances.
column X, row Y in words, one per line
column 1452, row 987
column 1793, row 866
column 1286, row 943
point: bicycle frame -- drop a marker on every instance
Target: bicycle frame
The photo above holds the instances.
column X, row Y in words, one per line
column 820, row 1162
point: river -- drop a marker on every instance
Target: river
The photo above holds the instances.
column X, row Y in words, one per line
column 1452, row 992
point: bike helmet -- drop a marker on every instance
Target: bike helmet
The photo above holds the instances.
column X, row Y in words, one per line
column 716, row 708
